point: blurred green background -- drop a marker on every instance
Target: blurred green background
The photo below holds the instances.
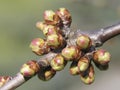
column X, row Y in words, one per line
column 17, row 29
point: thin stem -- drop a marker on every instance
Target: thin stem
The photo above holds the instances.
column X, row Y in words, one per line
column 17, row 81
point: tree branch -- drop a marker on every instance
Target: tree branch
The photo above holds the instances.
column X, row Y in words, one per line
column 19, row 79
column 98, row 37
column 14, row 83
column 101, row 36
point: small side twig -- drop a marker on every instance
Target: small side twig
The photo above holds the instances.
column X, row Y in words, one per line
column 101, row 36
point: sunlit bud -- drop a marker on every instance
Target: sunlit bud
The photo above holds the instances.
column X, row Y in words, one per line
column 83, row 42
column 40, row 25
column 4, row 79
column 58, row 63
column 71, row 53
column 101, row 57
column 74, row 68
column 39, row 46
column 29, row 69
column 46, row 74
column 64, row 14
column 88, row 76
column 83, row 64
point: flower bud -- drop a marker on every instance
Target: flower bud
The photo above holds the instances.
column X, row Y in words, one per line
column 49, row 29
column 58, row 63
column 29, row 69
column 88, row 76
column 52, row 18
column 101, row 57
column 46, row 74
column 64, row 14
column 83, row 64
column 83, row 42
column 74, row 68
column 71, row 53
column 40, row 25
column 4, row 79
column 55, row 41
column 39, row 46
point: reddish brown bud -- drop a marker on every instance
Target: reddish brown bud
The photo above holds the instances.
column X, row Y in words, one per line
column 58, row 63
column 83, row 42
column 29, row 69
column 88, row 76
column 4, row 79
column 101, row 57
column 46, row 74
column 52, row 18
column 71, row 53
column 64, row 14
column 39, row 46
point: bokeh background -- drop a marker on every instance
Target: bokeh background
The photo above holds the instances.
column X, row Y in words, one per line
column 17, row 29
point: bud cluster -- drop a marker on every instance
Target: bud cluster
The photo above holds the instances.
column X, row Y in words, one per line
column 82, row 53
column 52, row 27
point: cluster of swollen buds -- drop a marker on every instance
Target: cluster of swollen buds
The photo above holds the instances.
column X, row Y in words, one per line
column 52, row 27
column 82, row 53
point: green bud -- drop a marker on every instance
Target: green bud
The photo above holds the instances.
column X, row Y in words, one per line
column 64, row 14
column 46, row 74
column 4, row 79
column 74, row 68
column 101, row 57
column 49, row 29
column 58, row 63
column 55, row 41
column 39, row 46
column 71, row 53
column 29, row 69
column 83, row 42
column 83, row 64
column 88, row 76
